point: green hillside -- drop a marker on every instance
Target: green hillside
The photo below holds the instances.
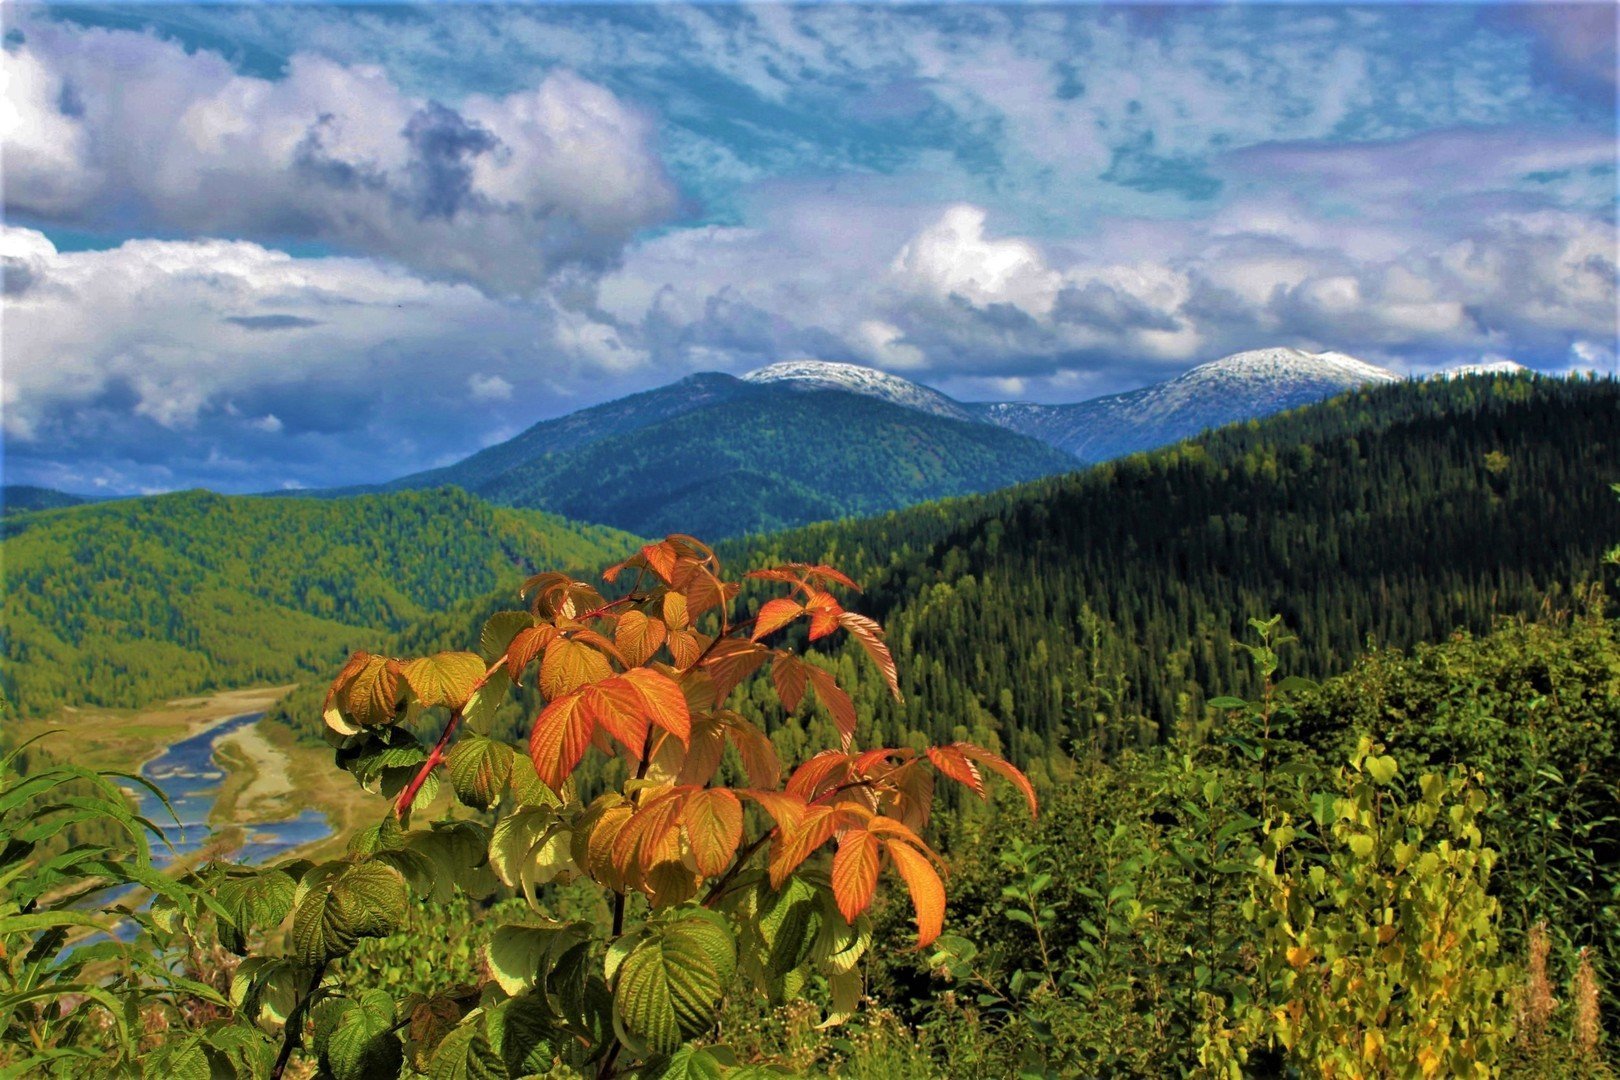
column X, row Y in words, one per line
column 124, row 603
column 1100, row 608
column 742, row 458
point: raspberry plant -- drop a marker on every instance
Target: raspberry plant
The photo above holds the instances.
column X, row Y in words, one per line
column 760, row 888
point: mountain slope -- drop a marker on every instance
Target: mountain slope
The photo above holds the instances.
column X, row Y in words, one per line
column 1101, row 607
column 719, row 456
column 1244, row 386
column 20, row 498
column 123, row 603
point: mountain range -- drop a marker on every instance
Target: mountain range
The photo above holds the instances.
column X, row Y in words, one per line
column 809, row 440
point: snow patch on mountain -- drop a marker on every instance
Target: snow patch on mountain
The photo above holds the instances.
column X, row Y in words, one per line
column 854, row 379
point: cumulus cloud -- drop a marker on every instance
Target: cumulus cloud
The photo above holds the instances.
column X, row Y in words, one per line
column 144, row 362
column 108, row 128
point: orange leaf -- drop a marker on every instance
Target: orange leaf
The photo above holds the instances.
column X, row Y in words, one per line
column 569, row 665
column 526, row 644
column 686, row 646
column 927, row 891
column 950, row 761
column 616, row 707
column 786, row 810
column 661, row 559
column 788, row 677
column 647, row 829
column 808, row 779
column 675, row 611
column 870, row 636
column 704, row 752
column 910, row 795
column 638, row 637
column 1005, row 769
column 796, row 842
column 757, row 752
column 703, row 590
column 356, row 661
column 714, row 827
column 558, row 741
column 775, row 615
column 662, row 698
column 824, row 612
column 732, row 661
column 855, row 872
column 830, row 694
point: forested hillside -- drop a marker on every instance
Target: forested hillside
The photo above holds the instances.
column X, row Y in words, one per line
column 128, row 602
column 715, row 456
column 1100, row 609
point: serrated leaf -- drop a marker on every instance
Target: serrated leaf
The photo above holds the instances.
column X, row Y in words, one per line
column 638, row 636
column 927, row 891
column 774, row 615
column 560, row 737
column 834, row 699
column 520, row 956
column 670, row 986
column 663, row 701
column 713, row 819
column 372, row 696
column 687, row 1063
column 479, row 712
column 366, row 900
column 569, row 665
column 256, row 901
column 466, row 1054
column 479, row 770
column 869, row 635
column 364, row 1046
column 445, row 678
column 498, row 631
column 855, row 872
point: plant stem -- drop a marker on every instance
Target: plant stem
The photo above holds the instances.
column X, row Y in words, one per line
column 292, row 1033
column 403, row 805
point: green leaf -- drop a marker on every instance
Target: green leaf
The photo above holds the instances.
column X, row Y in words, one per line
column 521, row 956
column 522, row 1032
column 499, row 631
column 479, row 770
column 445, row 678
column 1381, row 769
column 669, row 988
column 363, row 1046
column 687, row 1063
column 366, row 900
column 256, row 901
column 1228, row 703
column 466, row 1054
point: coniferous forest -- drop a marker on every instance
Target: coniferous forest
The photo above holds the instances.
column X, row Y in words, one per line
column 1316, row 717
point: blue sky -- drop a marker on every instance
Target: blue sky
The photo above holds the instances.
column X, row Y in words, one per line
column 256, row 246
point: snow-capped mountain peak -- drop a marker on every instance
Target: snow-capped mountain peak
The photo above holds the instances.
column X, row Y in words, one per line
column 855, row 379
column 1284, row 364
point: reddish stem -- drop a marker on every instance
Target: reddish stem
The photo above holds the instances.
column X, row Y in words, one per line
column 403, row 805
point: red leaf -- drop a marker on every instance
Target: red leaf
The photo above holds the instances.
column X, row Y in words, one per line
column 617, row 708
column 824, row 612
column 1005, row 769
column 661, row 559
column 788, row 675
column 558, row 741
column 775, row 615
column 950, row 761
column 525, row 645
column 796, row 842
column 757, row 751
column 855, row 872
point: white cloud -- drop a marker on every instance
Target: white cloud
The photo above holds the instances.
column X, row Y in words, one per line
column 953, row 257
column 106, row 124
column 488, row 388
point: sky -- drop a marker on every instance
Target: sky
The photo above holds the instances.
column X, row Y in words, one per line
column 266, row 246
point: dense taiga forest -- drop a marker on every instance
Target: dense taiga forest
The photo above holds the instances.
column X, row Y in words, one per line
column 1316, row 717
